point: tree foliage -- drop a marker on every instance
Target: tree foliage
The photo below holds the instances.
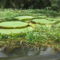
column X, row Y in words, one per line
column 24, row 3
column 28, row 4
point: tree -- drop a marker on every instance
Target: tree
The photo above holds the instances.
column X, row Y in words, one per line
column 55, row 4
column 24, row 3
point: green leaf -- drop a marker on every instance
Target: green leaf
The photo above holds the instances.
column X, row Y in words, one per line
column 13, row 24
column 17, row 31
column 43, row 21
column 24, row 18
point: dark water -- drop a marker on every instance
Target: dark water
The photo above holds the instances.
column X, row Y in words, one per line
column 35, row 53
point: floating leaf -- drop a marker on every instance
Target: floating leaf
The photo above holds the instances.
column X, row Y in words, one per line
column 43, row 21
column 13, row 31
column 13, row 24
column 24, row 18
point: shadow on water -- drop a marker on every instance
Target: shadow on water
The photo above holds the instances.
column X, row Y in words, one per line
column 29, row 53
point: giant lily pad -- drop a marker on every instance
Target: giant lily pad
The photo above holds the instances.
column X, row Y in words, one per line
column 43, row 21
column 24, row 18
column 13, row 24
column 17, row 31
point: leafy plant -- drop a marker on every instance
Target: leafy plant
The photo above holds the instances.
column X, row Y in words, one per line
column 38, row 35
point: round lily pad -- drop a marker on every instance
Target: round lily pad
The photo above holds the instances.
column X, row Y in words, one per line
column 24, row 18
column 13, row 24
column 17, row 31
column 43, row 21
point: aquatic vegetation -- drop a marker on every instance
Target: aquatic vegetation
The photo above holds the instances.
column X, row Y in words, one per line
column 38, row 27
column 13, row 24
column 11, row 31
column 43, row 21
column 24, row 18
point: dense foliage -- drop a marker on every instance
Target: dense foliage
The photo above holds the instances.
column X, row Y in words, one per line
column 43, row 27
column 24, row 4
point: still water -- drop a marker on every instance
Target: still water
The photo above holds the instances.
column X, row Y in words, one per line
column 30, row 54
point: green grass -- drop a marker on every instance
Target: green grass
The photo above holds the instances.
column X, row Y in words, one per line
column 7, row 14
column 44, row 35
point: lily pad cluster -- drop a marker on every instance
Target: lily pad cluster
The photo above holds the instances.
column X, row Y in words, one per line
column 15, row 27
column 20, row 24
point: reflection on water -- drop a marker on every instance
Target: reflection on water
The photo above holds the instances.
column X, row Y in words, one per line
column 35, row 53
column 48, row 51
column 2, row 54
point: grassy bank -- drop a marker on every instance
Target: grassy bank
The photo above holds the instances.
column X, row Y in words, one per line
column 36, row 27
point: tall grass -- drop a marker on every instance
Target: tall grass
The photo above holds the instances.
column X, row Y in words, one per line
column 44, row 35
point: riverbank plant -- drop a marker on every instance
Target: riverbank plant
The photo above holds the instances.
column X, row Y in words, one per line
column 37, row 27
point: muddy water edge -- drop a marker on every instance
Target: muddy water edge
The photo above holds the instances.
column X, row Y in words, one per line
column 29, row 53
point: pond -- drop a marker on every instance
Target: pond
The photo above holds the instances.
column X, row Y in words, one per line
column 36, row 53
